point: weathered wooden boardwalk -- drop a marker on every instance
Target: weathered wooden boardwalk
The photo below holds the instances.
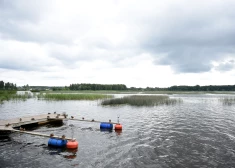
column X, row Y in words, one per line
column 18, row 122
column 13, row 125
column 39, row 119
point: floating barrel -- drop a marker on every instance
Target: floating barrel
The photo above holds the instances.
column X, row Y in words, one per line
column 108, row 126
column 73, row 144
column 57, row 142
column 118, row 127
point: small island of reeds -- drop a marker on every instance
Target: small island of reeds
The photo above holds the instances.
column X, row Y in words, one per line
column 61, row 96
column 227, row 100
column 6, row 95
column 142, row 100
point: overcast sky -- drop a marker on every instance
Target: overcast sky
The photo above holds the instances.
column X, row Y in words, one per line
column 141, row 43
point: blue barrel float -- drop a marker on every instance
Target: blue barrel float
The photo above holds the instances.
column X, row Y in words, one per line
column 107, row 126
column 57, row 142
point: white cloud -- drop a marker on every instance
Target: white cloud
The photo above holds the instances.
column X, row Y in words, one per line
column 137, row 43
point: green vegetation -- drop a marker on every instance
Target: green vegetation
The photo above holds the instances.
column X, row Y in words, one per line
column 6, row 94
column 136, row 92
column 192, row 88
column 123, row 88
column 36, row 90
column 227, row 100
column 91, row 92
column 11, row 94
column 24, row 96
column 87, row 86
column 7, row 90
column 142, row 100
column 7, row 86
column 74, row 96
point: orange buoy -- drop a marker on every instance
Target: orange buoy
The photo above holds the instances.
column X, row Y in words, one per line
column 118, row 127
column 72, row 144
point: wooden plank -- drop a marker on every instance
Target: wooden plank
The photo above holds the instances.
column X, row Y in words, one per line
column 40, row 134
column 17, row 122
column 90, row 121
column 26, row 119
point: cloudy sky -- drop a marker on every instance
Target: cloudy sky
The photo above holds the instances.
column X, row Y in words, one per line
column 141, row 43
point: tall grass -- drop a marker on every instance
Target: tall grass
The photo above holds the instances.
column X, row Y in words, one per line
column 11, row 94
column 142, row 100
column 24, row 96
column 6, row 94
column 74, row 96
column 227, row 100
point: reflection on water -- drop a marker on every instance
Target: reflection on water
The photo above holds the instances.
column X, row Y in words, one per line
column 66, row 153
column 118, row 132
column 197, row 133
column 70, row 153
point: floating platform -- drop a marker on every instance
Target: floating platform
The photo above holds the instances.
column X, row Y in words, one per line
column 13, row 125
column 19, row 124
column 38, row 119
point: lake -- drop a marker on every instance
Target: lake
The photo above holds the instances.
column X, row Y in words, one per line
column 199, row 132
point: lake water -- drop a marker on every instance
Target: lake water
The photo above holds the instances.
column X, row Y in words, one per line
column 200, row 132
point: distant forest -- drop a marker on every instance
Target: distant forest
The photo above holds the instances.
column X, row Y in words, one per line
column 172, row 88
column 121, row 87
column 195, row 88
column 7, row 86
column 87, row 86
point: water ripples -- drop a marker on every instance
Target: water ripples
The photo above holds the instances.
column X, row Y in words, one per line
column 196, row 133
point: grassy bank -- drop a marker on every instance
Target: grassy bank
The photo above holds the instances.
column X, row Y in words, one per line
column 67, row 96
column 140, row 92
column 142, row 100
column 91, row 92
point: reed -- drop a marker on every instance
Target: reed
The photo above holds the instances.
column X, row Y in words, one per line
column 227, row 100
column 12, row 95
column 142, row 100
column 24, row 96
column 6, row 94
column 74, row 96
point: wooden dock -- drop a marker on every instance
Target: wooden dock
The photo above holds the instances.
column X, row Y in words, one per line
column 39, row 119
column 13, row 125
column 18, row 124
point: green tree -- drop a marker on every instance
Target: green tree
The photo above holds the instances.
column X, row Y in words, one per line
column 1, row 85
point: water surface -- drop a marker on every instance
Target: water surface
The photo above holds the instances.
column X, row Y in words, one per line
column 199, row 132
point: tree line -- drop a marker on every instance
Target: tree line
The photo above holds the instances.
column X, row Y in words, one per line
column 7, row 86
column 88, row 86
column 195, row 88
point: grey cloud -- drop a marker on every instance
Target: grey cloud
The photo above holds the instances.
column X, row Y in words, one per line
column 24, row 65
column 19, row 32
column 19, row 66
column 192, row 40
column 22, row 20
column 19, row 10
column 188, row 59
column 226, row 66
column 191, row 36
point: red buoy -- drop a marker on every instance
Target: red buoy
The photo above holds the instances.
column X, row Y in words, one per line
column 118, row 127
column 72, row 144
